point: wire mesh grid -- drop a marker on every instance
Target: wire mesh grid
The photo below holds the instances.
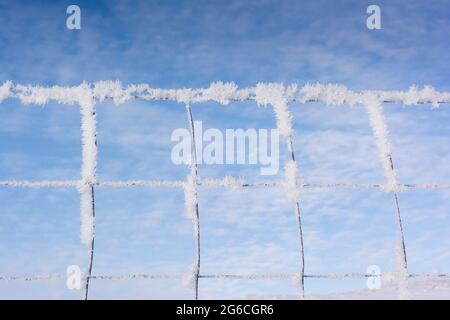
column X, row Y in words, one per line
column 275, row 95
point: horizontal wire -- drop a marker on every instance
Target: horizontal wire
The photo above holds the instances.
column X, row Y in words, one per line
column 40, row 184
column 142, row 183
column 207, row 183
column 223, row 93
column 265, row 276
column 29, row 96
column 289, row 100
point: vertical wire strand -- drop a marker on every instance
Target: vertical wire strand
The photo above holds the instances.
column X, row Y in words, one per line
column 399, row 223
column 91, row 251
column 381, row 134
column 88, row 177
column 194, row 173
column 300, row 227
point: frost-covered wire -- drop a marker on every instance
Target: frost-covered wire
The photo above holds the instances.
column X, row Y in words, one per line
column 381, row 134
column 40, row 184
column 191, row 204
column 222, row 93
column 388, row 276
column 88, row 174
column 89, row 164
column 276, row 95
column 141, row 183
column 228, row 182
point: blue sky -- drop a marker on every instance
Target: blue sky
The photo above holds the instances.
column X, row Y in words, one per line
column 191, row 44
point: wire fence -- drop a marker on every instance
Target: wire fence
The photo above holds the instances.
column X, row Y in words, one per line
column 279, row 98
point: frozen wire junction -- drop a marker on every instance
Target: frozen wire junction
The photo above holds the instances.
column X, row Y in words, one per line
column 276, row 96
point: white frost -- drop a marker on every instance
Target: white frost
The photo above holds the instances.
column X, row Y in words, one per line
column 88, row 168
column 290, row 173
column 227, row 182
column 219, row 92
column 330, row 94
column 188, row 279
column 42, row 95
column 297, row 281
column 111, row 89
column 40, row 184
column 274, row 94
column 190, row 200
column 381, row 134
column 263, row 93
column 86, row 215
column 5, row 90
column 401, row 272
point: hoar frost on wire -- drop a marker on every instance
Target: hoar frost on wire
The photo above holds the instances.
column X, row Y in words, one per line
column 330, row 94
column 275, row 95
column 184, row 95
column 401, row 271
column 88, row 168
column 188, row 278
column 41, row 183
column 415, row 96
column 381, row 133
column 42, row 95
column 87, row 219
column 5, row 90
column 227, row 182
column 219, row 92
column 113, row 90
column 290, row 173
column 190, row 200
column 297, row 281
